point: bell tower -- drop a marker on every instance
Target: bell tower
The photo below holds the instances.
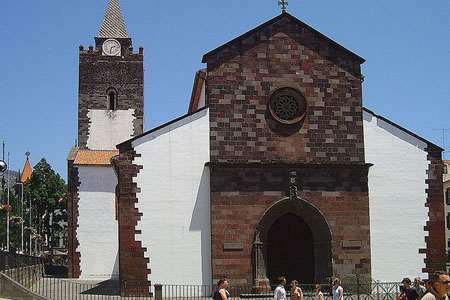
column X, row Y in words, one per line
column 110, row 111
column 111, row 86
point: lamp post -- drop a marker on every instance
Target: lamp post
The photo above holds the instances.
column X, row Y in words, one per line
column 3, row 168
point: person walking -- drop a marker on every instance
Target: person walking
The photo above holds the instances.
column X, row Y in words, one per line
column 337, row 290
column 296, row 291
column 420, row 289
column 221, row 293
column 428, row 285
column 411, row 292
column 280, row 292
column 441, row 285
column 402, row 293
column 318, row 294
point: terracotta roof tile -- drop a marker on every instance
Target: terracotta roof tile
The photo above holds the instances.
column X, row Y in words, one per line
column 94, row 157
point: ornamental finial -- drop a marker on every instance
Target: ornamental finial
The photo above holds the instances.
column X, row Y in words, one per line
column 283, row 4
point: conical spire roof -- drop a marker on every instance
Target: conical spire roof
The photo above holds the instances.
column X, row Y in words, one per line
column 26, row 173
column 113, row 25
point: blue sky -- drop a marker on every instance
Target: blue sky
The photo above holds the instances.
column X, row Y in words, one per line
column 406, row 45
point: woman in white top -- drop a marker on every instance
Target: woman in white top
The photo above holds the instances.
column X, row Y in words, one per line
column 318, row 295
column 338, row 291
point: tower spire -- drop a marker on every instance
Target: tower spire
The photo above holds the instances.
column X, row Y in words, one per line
column 113, row 25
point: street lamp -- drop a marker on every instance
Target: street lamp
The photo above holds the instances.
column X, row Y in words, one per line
column 3, row 168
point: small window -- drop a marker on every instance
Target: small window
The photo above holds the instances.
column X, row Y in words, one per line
column 447, row 196
column 112, row 98
column 448, row 221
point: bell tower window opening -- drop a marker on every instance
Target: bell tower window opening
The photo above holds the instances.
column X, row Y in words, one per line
column 112, row 98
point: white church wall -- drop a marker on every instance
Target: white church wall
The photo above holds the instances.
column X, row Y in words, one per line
column 97, row 231
column 174, row 200
column 107, row 128
column 397, row 200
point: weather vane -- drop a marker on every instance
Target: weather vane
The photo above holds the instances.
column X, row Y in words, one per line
column 283, row 4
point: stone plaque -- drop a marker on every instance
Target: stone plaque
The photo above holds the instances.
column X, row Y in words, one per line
column 233, row 246
column 351, row 244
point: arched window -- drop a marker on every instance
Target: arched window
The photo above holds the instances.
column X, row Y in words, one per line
column 112, row 98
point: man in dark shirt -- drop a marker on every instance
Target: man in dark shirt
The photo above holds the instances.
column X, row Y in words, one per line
column 428, row 285
column 411, row 292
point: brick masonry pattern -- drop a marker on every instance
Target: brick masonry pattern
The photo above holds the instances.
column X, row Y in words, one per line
column 242, row 76
column 436, row 256
column 73, row 256
column 97, row 73
column 133, row 264
column 240, row 196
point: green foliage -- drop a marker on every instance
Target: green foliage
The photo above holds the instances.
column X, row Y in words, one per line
column 14, row 231
column 47, row 192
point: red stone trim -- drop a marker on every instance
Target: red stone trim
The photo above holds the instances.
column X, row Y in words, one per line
column 199, row 82
column 74, row 270
column 435, row 250
column 133, row 264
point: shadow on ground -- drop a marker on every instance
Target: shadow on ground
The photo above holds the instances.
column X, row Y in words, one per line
column 107, row 287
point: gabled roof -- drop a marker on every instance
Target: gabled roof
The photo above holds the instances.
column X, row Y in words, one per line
column 113, row 25
column 430, row 144
column 26, row 173
column 272, row 21
column 95, row 157
column 127, row 143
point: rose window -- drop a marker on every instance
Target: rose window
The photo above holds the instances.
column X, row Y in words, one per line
column 287, row 105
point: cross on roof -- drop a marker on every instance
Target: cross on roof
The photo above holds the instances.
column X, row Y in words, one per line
column 283, row 4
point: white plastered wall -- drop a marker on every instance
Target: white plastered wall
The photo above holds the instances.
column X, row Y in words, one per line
column 97, row 231
column 107, row 128
column 397, row 200
column 175, row 201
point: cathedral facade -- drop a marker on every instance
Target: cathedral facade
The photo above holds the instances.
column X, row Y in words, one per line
column 276, row 169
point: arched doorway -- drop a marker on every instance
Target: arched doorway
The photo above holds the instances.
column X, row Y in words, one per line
column 283, row 223
column 290, row 249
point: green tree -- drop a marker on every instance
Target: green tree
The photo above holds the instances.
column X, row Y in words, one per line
column 46, row 191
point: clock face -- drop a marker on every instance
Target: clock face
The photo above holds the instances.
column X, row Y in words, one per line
column 111, row 47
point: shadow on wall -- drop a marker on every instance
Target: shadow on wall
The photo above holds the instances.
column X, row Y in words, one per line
column 115, row 271
column 200, row 221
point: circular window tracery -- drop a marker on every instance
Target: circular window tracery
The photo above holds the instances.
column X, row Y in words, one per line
column 287, row 105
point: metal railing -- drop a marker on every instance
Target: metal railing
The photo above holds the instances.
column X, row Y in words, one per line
column 360, row 290
column 32, row 279
column 11, row 260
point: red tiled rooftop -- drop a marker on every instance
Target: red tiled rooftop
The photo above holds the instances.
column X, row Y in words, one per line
column 94, row 157
column 26, row 173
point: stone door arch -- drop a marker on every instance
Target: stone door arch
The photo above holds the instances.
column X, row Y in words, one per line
column 322, row 237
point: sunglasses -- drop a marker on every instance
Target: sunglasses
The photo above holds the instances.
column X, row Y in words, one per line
column 445, row 282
